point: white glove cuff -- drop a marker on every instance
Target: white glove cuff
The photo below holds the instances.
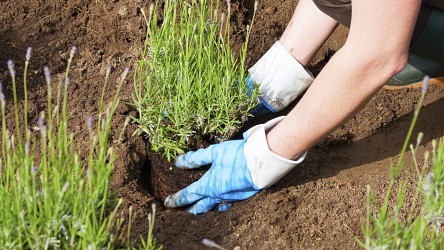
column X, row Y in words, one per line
column 266, row 167
column 281, row 78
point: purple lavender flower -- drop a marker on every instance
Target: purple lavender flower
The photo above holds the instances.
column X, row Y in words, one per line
column 11, row 68
column 47, row 74
column 42, row 125
column 108, row 71
column 125, row 73
column 73, row 51
column 34, row 169
column 2, row 96
column 428, row 183
column 425, row 83
column 28, row 54
column 208, row 242
column 67, row 80
column 90, row 122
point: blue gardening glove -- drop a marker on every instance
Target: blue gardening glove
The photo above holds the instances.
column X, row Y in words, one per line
column 281, row 79
column 239, row 170
column 227, row 180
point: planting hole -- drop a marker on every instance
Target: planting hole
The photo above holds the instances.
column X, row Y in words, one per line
column 161, row 178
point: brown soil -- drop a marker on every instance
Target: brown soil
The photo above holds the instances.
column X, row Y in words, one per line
column 320, row 204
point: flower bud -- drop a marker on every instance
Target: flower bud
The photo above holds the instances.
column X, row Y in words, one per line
column 2, row 96
column 108, row 71
column 151, row 9
column 11, row 68
column 127, row 121
column 28, row 54
column 34, row 169
column 67, row 80
column 47, row 74
column 41, row 124
column 208, row 242
column 65, row 187
column 425, row 83
column 125, row 73
column 73, row 51
column 90, row 122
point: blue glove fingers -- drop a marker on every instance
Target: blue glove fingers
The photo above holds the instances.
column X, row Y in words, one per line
column 224, row 207
column 195, row 159
column 182, row 198
column 204, row 205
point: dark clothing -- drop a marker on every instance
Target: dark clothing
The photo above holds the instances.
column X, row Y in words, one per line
column 426, row 53
column 438, row 4
column 341, row 10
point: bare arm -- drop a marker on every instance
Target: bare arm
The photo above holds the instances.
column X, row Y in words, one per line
column 307, row 31
column 375, row 50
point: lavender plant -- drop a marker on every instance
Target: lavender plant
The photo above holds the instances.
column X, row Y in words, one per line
column 150, row 241
column 189, row 81
column 385, row 229
column 50, row 197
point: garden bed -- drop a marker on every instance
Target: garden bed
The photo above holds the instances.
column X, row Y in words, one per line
column 320, row 204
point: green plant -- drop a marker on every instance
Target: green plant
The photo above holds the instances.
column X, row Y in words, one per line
column 424, row 230
column 149, row 242
column 50, row 197
column 189, row 82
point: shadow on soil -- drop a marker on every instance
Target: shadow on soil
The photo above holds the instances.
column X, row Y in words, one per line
column 327, row 161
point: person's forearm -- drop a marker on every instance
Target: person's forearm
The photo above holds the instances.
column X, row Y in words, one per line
column 337, row 93
column 307, row 31
column 375, row 50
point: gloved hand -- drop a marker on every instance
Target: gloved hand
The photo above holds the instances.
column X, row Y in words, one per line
column 281, row 79
column 239, row 170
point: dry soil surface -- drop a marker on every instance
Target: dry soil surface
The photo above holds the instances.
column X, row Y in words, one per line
column 320, row 204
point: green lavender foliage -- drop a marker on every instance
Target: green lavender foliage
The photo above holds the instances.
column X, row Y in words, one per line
column 50, row 198
column 149, row 242
column 384, row 229
column 189, row 81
